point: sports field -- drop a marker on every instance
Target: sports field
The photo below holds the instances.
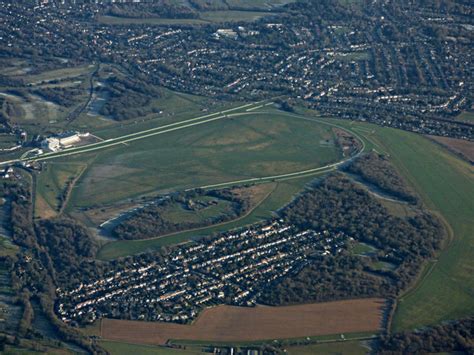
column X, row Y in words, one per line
column 237, row 324
column 229, row 149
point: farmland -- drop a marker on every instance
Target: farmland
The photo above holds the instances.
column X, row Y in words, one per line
column 234, row 324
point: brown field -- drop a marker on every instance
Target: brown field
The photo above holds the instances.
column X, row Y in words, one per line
column 459, row 146
column 237, row 324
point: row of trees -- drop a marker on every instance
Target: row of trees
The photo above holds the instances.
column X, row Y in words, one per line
column 377, row 170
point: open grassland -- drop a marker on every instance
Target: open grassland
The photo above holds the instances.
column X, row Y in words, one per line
column 115, row 20
column 232, row 15
column 446, row 185
column 332, row 348
column 466, row 116
column 257, row 4
column 463, row 148
column 276, row 195
column 32, row 111
column 37, row 114
column 207, row 17
column 7, row 248
column 234, row 324
column 174, row 106
column 221, row 151
column 58, row 74
column 119, row 348
column 51, row 184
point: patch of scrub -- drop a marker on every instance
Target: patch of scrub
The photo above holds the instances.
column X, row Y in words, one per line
column 363, row 249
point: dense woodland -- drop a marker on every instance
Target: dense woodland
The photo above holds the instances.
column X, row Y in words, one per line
column 149, row 221
column 128, row 98
column 377, row 170
column 457, row 336
column 67, row 96
column 337, row 204
column 329, row 278
column 51, row 252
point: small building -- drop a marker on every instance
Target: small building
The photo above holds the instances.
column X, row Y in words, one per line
column 62, row 141
column 226, row 32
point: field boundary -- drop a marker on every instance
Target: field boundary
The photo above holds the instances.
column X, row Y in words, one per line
column 228, row 324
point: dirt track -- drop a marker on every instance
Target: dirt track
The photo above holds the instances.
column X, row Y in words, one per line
column 229, row 324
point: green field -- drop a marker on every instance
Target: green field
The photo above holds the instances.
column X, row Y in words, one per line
column 177, row 213
column 230, row 149
column 204, row 18
column 114, row 20
column 446, row 185
column 335, row 348
column 257, row 4
column 363, row 249
column 465, row 116
column 51, row 183
column 116, row 348
column 59, row 74
column 230, row 16
column 282, row 194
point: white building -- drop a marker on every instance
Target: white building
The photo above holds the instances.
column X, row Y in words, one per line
column 62, row 141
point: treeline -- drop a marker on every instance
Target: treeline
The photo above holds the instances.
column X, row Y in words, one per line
column 377, row 170
column 150, row 221
column 52, row 252
column 329, row 278
column 66, row 97
column 128, row 98
column 338, row 205
column 67, row 244
column 457, row 336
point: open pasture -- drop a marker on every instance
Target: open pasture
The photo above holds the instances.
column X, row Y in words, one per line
column 237, row 324
column 463, row 148
column 446, row 185
column 51, row 184
column 226, row 150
